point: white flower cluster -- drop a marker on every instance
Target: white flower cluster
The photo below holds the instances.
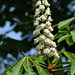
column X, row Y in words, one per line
column 44, row 29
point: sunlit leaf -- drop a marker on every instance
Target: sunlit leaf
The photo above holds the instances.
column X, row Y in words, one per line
column 73, row 55
column 65, row 23
column 37, row 59
column 73, row 69
column 15, row 69
column 63, row 38
column 68, row 55
column 25, row 64
column 29, row 69
column 40, row 70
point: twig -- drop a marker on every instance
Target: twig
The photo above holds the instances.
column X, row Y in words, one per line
column 60, row 69
column 43, row 66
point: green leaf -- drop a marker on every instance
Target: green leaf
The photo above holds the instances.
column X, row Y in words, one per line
column 69, row 41
column 58, row 35
column 63, row 63
column 42, row 57
column 73, row 55
column 15, row 69
column 65, row 23
column 4, row 73
column 68, row 55
column 37, row 59
column 25, row 64
column 61, row 33
column 59, row 62
column 63, row 38
column 40, row 70
column 55, row 25
column 73, row 69
column 29, row 69
column 73, row 35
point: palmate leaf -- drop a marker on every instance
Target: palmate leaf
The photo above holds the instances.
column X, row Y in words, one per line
column 42, row 57
column 15, row 69
column 25, row 64
column 40, row 70
column 68, row 55
column 65, row 23
column 29, row 69
column 72, row 69
column 37, row 59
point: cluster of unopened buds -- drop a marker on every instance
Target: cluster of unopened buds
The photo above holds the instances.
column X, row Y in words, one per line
column 44, row 29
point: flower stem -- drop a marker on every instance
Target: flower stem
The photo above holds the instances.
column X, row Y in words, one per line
column 42, row 65
column 60, row 69
column 48, row 60
column 54, row 60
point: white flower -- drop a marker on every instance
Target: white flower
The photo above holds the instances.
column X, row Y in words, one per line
column 48, row 12
column 42, row 37
column 38, row 3
column 39, row 47
column 38, row 53
column 49, row 19
column 47, row 41
column 43, row 17
column 48, row 23
column 50, row 28
column 45, row 2
column 42, row 26
column 53, row 49
column 37, row 12
column 41, row 7
column 46, row 51
column 36, row 23
column 53, row 44
column 36, row 32
column 38, row 18
column 51, row 36
column 56, row 54
column 46, row 31
column 48, row 9
column 36, row 40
